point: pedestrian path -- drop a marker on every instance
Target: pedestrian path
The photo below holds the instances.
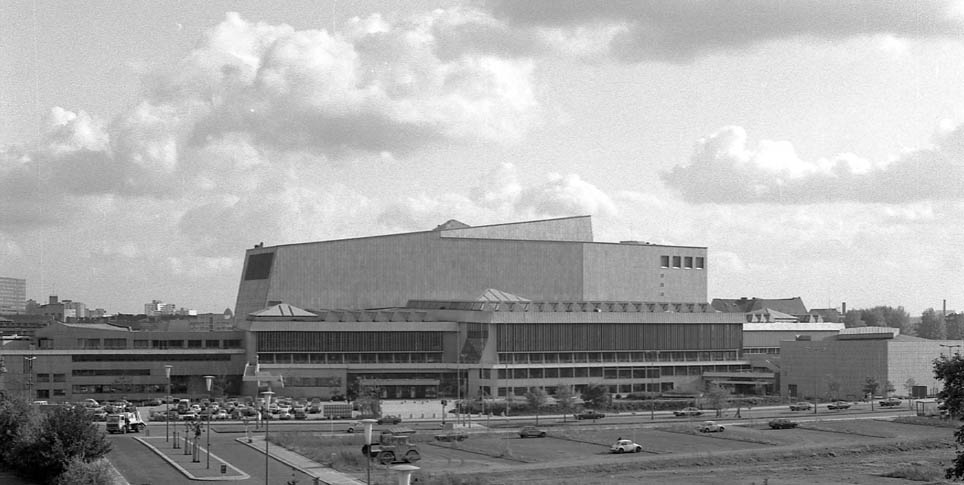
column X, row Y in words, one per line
column 195, row 464
column 314, row 469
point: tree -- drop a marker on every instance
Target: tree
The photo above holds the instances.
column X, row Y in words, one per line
column 537, row 397
column 369, row 401
column 889, row 388
column 566, row 399
column 596, row 394
column 870, row 387
column 950, row 370
column 954, row 326
column 852, row 319
column 718, row 397
column 931, row 325
column 909, row 386
column 17, row 419
column 65, row 434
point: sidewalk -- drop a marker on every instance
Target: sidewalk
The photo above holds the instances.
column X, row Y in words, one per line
column 193, row 467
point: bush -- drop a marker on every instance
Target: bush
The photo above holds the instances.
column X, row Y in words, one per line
column 79, row 472
column 42, row 446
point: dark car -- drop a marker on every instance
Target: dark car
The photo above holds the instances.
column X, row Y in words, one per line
column 532, row 432
column 890, row 402
column 590, row 414
column 690, row 411
column 801, row 406
column 389, row 419
column 838, row 405
column 782, row 423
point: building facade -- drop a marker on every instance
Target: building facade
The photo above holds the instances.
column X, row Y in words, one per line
column 839, row 366
column 71, row 362
column 13, row 295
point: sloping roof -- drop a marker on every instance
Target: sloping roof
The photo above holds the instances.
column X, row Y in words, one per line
column 97, row 326
column 492, row 294
column 282, row 310
column 770, row 315
column 789, row 306
column 857, row 333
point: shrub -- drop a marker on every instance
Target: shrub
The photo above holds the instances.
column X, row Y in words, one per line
column 79, row 472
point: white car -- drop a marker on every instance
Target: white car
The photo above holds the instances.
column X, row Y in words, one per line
column 710, row 427
column 625, row 446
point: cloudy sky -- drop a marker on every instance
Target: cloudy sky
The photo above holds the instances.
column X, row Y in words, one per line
column 815, row 147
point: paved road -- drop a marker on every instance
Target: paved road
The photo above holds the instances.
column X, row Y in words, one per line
column 142, row 466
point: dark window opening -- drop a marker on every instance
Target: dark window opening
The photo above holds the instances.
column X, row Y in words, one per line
column 259, row 266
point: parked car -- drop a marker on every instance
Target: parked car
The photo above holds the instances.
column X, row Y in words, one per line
column 532, row 432
column 690, row 411
column 189, row 416
column 625, row 446
column 153, row 402
column 389, row 419
column 782, row 423
column 284, row 415
column 452, row 436
column 890, row 402
column 838, row 405
column 710, row 427
column 314, row 408
column 590, row 414
column 801, row 406
column 355, row 426
column 221, row 415
column 300, row 413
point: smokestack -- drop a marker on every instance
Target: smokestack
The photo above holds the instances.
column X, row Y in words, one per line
column 944, row 309
column 843, row 308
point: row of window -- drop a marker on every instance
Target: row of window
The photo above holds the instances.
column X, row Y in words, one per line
column 150, row 357
column 117, row 388
column 682, row 262
column 110, row 372
column 350, row 358
column 349, row 341
column 596, row 357
column 651, row 387
column 123, row 343
column 608, row 372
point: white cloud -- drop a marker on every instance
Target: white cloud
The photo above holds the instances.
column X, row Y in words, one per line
column 725, row 169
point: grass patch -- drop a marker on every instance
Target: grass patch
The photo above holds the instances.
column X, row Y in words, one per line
column 916, row 473
column 342, row 453
column 928, row 421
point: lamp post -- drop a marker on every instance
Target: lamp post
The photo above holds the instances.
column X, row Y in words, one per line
column 167, row 403
column 368, row 423
column 207, row 382
column 265, row 417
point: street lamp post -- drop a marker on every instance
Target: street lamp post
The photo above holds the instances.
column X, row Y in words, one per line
column 167, row 404
column 368, row 423
column 207, row 382
column 265, row 417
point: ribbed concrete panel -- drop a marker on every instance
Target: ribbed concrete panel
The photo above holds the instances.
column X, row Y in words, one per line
column 387, row 271
column 566, row 229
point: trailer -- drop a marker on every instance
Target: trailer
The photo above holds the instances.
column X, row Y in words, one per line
column 337, row 410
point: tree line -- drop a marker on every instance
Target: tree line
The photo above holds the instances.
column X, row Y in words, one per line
column 933, row 323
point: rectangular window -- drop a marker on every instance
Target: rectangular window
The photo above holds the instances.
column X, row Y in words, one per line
column 115, row 343
column 258, row 267
column 232, row 344
column 142, row 344
column 60, row 377
column 43, row 377
column 212, row 344
column 676, row 261
column 688, row 262
column 700, row 262
column 664, row 261
column 194, row 344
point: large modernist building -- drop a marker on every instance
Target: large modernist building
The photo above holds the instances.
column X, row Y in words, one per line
column 491, row 310
column 13, row 295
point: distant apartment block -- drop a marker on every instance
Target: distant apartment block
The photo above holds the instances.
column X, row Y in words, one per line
column 13, row 296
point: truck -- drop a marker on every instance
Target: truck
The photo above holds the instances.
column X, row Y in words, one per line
column 125, row 422
column 393, row 448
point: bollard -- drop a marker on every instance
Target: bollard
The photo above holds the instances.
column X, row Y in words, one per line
column 187, row 445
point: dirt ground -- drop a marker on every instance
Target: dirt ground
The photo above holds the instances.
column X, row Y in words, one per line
column 839, row 452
